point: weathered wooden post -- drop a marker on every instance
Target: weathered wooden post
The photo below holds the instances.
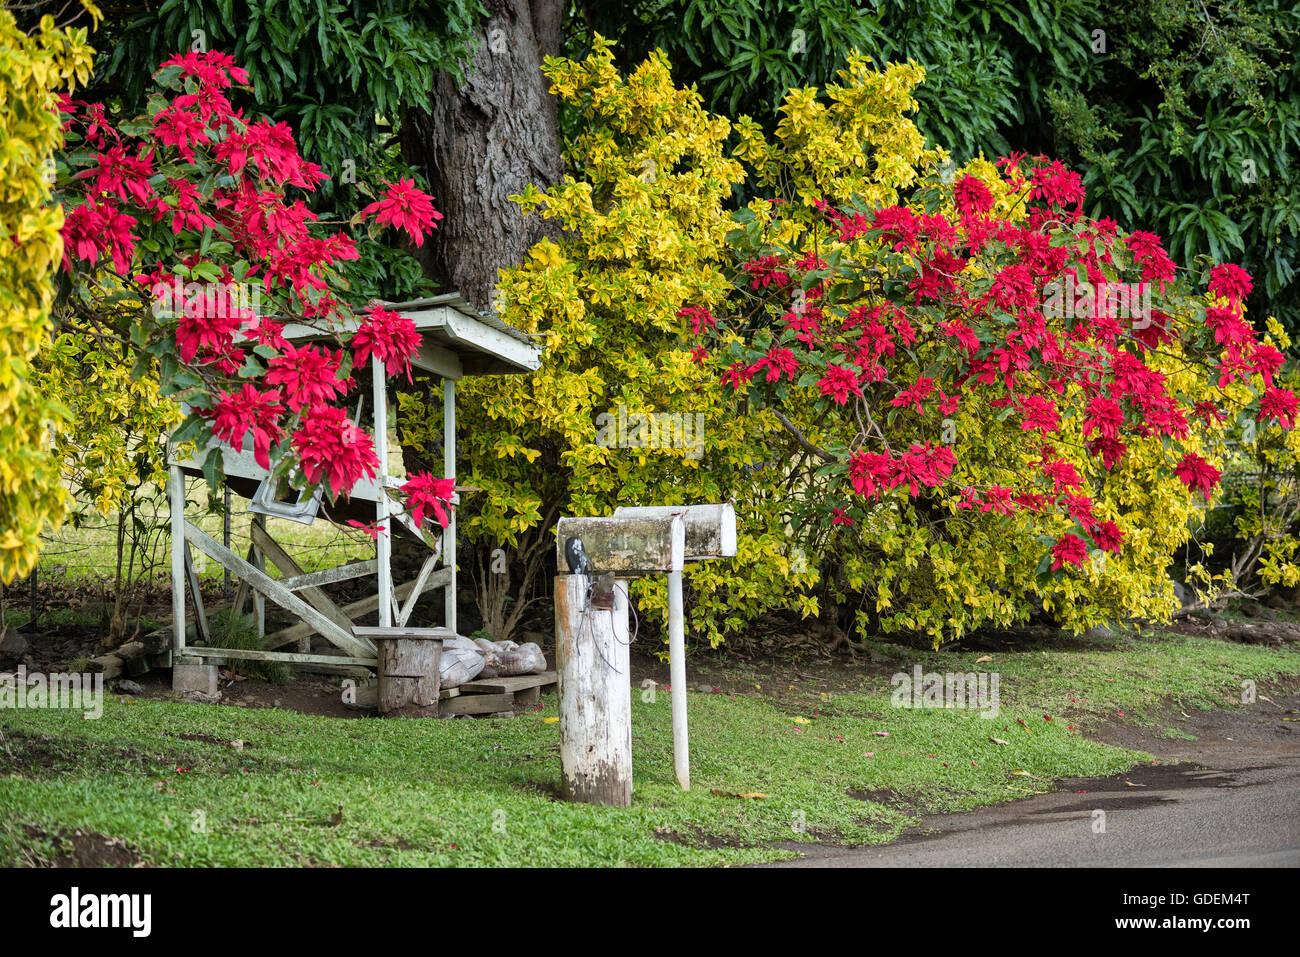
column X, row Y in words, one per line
column 409, row 662
column 710, row 533
column 592, row 645
column 591, row 661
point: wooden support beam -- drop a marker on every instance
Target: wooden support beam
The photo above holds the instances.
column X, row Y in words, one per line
column 263, row 584
column 254, row 654
column 404, row 613
column 289, row 568
column 330, row 576
column 366, row 606
column 241, row 593
column 200, row 616
column 176, row 502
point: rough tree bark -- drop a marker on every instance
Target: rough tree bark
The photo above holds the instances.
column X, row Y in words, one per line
column 479, row 141
column 484, row 139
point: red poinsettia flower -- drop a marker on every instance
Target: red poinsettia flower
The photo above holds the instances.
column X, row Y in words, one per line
column 972, row 197
column 838, row 382
column 330, row 446
column 1196, row 473
column 1069, row 548
column 1230, row 282
column 405, row 207
column 1108, row 537
column 424, row 493
column 249, row 411
column 778, row 362
column 1278, row 405
column 307, row 376
column 389, row 335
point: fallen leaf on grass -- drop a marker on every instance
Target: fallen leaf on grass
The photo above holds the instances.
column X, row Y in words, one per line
column 550, row 720
column 749, row 795
column 1132, row 785
column 998, row 741
column 985, row 658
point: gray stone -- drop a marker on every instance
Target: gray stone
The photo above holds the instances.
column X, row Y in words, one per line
column 503, row 714
column 13, row 647
column 127, row 686
column 196, row 677
column 198, row 697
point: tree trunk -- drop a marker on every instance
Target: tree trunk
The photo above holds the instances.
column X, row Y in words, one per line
column 485, row 139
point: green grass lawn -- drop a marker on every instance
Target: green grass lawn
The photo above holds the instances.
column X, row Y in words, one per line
column 479, row 792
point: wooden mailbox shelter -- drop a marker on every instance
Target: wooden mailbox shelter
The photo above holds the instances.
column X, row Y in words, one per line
column 455, row 341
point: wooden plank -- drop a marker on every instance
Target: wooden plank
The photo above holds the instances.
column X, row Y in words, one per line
column 445, row 693
column 355, row 610
column 404, row 613
column 265, row 585
column 241, row 593
column 200, row 616
column 330, row 576
column 259, row 601
column 369, row 631
column 176, row 527
column 478, row 704
column 288, row 567
column 508, row 684
column 255, row 654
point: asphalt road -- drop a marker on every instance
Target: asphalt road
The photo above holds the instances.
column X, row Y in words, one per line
column 1229, row 799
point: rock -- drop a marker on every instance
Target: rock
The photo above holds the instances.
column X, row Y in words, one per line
column 13, row 647
column 198, row 697
column 1099, row 631
column 503, row 714
column 127, row 686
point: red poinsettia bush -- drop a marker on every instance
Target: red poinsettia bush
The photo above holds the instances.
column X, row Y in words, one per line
column 990, row 402
column 186, row 234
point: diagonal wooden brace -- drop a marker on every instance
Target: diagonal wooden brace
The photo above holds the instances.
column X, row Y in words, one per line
column 272, row 589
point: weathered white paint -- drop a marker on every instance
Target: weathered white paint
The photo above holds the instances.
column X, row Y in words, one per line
column 176, row 497
column 677, row 671
column 630, row 547
column 710, row 529
column 449, row 472
column 592, row 664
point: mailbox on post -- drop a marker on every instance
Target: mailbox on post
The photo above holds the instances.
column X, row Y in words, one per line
column 591, row 634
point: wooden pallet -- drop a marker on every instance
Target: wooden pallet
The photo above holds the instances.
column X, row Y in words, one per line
column 491, row 695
